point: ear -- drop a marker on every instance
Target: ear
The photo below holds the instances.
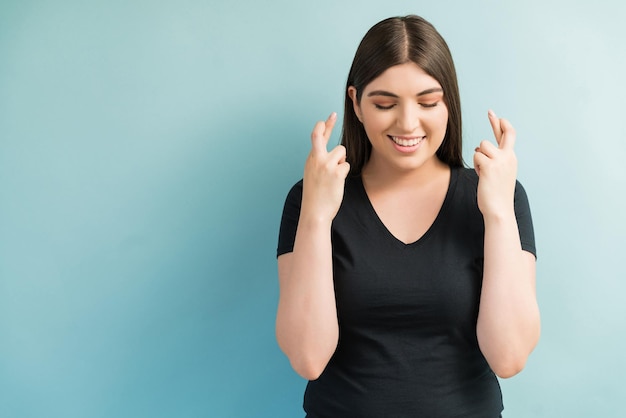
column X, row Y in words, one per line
column 355, row 102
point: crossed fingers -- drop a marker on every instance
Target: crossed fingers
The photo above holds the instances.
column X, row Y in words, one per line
column 321, row 134
column 505, row 138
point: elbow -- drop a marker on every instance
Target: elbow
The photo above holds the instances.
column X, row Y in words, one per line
column 505, row 370
column 309, row 364
column 308, row 356
column 508, row 364
column 308, row 368
column 508, row 358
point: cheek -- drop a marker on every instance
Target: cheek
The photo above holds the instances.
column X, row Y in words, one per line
column 377, row 121
column 441, row 120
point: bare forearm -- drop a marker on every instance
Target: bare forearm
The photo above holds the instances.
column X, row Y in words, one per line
column 306, row 325
column 508, row 321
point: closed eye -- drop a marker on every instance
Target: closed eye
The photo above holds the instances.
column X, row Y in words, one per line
column 381, row 107
column 429, row 104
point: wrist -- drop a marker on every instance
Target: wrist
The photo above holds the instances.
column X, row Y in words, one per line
column 499, row 216
column 314, row 219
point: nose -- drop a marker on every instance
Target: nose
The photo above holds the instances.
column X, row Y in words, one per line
column 408, row 120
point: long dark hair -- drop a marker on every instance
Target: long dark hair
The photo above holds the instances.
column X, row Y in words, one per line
column 395, row 41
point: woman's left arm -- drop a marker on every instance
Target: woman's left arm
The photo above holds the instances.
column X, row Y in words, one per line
column 508, row 320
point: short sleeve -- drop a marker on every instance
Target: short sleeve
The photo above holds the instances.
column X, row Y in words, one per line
column 289, row 220
column 524, row 220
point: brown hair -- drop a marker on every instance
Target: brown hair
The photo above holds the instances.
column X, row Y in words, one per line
column 395, row 41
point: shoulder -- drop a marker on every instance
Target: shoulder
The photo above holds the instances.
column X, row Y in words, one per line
column 289, row 219
column 467, row 177
column 295, row 193
column 291, row 209
column 462, row 195
column 464, row 184
column 297, row 188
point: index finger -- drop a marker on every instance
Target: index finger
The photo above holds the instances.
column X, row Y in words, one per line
column 508, row 135
column 322, row 131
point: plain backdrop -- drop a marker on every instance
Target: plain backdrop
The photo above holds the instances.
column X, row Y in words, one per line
column 146, row 148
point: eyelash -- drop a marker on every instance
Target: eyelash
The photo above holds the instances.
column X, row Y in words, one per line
column 425, row 105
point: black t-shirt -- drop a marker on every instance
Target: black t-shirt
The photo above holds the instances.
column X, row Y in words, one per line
column 407, row 312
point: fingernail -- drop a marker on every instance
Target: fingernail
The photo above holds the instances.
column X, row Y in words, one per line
column 491, row 114
column 333, row 115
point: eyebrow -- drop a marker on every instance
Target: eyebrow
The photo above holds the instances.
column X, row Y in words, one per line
column 390, row 94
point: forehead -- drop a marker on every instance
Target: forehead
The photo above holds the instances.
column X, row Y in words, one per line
column 401, row 79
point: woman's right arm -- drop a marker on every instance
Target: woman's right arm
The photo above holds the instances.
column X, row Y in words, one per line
column 306, row 322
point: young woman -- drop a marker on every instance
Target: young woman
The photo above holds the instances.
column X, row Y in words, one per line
column 407, row 282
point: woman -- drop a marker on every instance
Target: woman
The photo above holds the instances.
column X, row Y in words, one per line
column 407, row 282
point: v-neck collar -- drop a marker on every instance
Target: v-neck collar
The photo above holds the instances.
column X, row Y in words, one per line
column 454, row 172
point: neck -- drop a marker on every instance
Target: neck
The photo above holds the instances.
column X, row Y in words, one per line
column 383, row 175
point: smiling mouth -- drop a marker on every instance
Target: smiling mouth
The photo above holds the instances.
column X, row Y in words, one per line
column 406, row 142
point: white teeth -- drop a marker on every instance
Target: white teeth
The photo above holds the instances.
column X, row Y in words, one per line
column 407, row 142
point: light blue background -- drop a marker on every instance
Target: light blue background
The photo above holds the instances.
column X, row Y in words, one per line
column 146, row 148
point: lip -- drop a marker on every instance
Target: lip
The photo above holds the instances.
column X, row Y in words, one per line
column 406, row 137
column 405, row 149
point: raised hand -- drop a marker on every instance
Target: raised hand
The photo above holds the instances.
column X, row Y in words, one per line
column 324, row 174
column 497, row 169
